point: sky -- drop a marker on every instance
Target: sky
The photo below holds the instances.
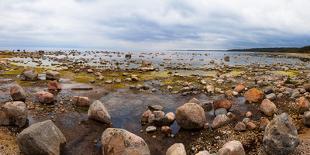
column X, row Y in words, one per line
column 153, row 24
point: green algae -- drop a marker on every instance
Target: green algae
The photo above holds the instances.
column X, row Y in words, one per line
column 289, row 73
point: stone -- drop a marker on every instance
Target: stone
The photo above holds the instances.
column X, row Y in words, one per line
column 54, row 86
column 240, row 126
column 150, row 129
column 271, row 96
column 307, row 87
column 210, row 88
column 14, row 113
column 159, row 117
column 248, row 114
column 250, row 125
column 176, row 149
column 227, row 58
column 155, row 107
column 239, row 88
column 280, row 136
column 203, row 153
column 220, row 111
column 45, row 97
column 29, row 75
column 232, row 148
column 302, row 104
column 222, row 103
column 145, row 116
column 81, row 101
column 98, row 112
column 166, row 130
column 52, row 75
column 253, row 95
column 169, row 118
column 306, row 118
column 190, row 116
column 194, row 100
column 268, row 107
column 18, row 93
column 117, row 141
column 41, row 138
column 263, row 122
column 219, row 121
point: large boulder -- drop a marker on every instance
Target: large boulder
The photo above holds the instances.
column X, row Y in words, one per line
column 98, row 112
column 253, row 95
column 280, row 136
column 18, row 93
column 13, row 113
column 29, row 75
column 121, row 142
column 45, row 97
column 190, row 116
column 176, row 149
column 268, row 107
column 52, row 75
column 41, row 138
column 232, row 148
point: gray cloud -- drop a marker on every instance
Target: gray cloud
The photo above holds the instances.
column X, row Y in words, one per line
column 154, row 24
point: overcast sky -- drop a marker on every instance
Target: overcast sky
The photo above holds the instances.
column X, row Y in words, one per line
column 153, row 24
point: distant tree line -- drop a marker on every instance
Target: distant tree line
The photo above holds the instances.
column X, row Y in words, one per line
column 305, row 49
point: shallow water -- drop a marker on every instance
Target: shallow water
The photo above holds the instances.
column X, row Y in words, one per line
column 168, row 59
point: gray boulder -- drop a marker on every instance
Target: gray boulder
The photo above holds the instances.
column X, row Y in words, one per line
column 119, row 141
column 13, row 113
column 280, row 136
column 190, row 116
column 29, row 75
column 41, row 138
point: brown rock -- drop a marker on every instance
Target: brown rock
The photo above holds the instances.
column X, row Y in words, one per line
column 250, row 125
column 239, row 88
column 253, row 95
column 18, row 93
column 302, row 104
column 240, row 126
column 190, row 116
column 54, row 86
column 268, row 107
column 81, row 101
column 222, row 103
column 45, row 97
column 166, row 130
column 263, row 122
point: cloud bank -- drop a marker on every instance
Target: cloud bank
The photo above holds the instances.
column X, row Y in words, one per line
column 153, row 24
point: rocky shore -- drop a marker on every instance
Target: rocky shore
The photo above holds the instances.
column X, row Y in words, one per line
column 100, row 102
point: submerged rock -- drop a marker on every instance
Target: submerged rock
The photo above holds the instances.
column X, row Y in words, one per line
column 176, row 149
column 97, row 111
column 29, row 75
column 41, row 138
column 14, row 113
column 222, row 103
column 190, row 116
column 280, row 136
column 119, row 141
column 18, row 93
column 253, row 95
column 232, row 148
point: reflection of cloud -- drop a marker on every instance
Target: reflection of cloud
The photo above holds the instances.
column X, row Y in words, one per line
column 154, row 24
